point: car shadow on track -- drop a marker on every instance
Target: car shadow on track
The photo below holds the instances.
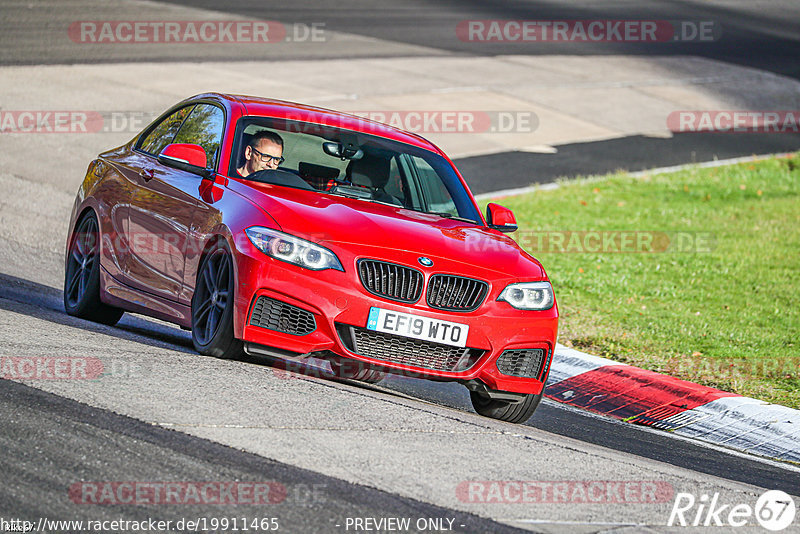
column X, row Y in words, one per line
column 27, row 297
column 45, row 302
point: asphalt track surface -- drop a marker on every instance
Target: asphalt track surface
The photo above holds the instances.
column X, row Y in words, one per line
column 50, row 441
column 631, row 154
column 758, row 34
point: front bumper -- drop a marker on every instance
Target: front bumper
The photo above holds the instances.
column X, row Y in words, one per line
column 340, row 305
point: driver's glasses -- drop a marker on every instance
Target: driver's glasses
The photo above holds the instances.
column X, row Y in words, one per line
column 266, row 158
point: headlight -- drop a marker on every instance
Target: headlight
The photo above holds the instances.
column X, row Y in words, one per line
column 529, row 295
column 292, row 249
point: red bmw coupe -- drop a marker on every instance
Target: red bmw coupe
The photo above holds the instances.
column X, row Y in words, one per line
column 285, row 230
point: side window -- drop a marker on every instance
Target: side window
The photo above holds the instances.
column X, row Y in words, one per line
column 163, row 134
column 435, row 191
column 396, row 186
column 413, row 198
column 204, row 127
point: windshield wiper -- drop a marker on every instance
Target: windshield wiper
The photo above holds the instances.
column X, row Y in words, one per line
column 357, row 197
column 447, row 215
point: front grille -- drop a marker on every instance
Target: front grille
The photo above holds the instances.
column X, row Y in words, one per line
column 282, row 317
column 407, row 351
column 390, row 280
column 526, row 363
column 455, row 293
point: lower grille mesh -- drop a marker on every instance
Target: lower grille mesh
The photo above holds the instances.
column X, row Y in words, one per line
column 407, row 351
column 526, row 363
column 282, row 317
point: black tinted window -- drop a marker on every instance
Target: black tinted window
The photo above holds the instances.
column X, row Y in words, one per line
column 164, row 133
column 204, row 127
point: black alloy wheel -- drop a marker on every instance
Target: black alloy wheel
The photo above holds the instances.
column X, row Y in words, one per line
column 212, row 306
column 82, row 276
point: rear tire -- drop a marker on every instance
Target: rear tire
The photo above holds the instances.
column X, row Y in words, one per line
column 355, row 370
column 212, row 306
column 82, row 275
column 516, row 412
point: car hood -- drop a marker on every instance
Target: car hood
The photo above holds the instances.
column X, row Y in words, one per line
column 357, row 225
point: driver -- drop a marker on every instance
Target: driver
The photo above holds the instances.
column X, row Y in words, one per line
column 265, row 151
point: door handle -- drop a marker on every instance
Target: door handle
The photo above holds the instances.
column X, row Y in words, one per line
column 146, row 175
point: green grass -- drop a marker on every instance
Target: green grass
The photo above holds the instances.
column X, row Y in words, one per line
column 725, row 313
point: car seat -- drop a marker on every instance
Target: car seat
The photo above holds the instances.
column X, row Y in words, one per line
column 372, row 172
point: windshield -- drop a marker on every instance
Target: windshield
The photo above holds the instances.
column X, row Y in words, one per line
column 334, row 161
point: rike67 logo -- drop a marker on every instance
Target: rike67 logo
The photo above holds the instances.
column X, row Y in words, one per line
column 774, row 510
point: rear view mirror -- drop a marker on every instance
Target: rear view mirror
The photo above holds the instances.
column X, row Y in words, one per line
column 186, row 157
column 342, row 150
column 500, row 218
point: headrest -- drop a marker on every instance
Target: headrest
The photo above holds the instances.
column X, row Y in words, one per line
column 371, row 171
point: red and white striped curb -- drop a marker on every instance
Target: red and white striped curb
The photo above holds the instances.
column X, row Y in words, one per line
column 667, row 403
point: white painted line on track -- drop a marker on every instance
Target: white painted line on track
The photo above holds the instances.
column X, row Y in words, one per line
column 686, row 439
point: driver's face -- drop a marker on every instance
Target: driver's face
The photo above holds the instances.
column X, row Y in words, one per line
column 254, row 158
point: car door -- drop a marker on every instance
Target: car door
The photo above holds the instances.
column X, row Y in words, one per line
column 204, row 127
column 134, row 168
column 117, row 169
column 162, row 207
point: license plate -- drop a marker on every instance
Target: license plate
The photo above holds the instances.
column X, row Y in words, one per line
column 417, row 327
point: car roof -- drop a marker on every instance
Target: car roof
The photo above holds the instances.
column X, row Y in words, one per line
column 269, row 107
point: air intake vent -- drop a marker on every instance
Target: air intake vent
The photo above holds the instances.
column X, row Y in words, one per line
column 390, row 280
column 455, row 293
column 525, row 363
column 282, row 317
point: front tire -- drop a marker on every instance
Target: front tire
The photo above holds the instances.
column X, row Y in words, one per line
column 212, row 306
column 511, row 412
column 82, row 276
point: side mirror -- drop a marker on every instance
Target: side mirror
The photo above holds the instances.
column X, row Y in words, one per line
column 500, row 218
column 186, row 157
